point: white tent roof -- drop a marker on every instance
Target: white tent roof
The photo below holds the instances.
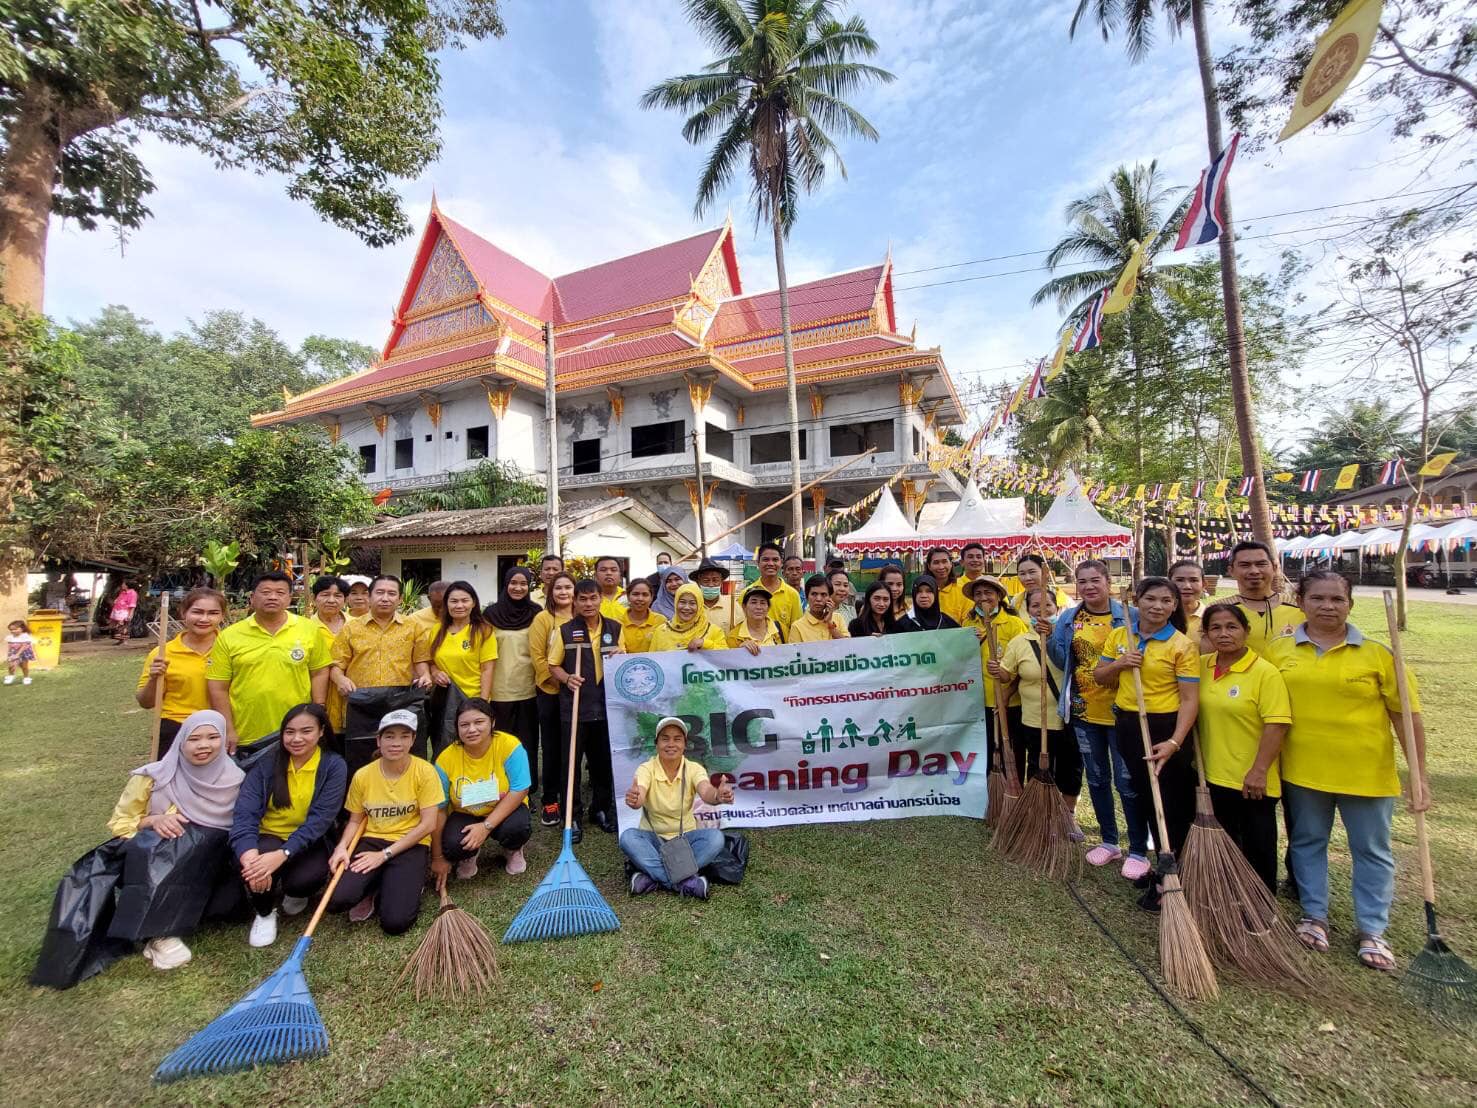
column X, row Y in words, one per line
column 1072, row 523
column 1466, row 529
column 1380, row 536
column 887, row 529
column 1293, row 545
column 999, row 524
column 1319, row 544
column 1349, row 540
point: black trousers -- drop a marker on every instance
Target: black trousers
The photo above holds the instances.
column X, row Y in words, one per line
column 301, row 875
column 168, row 729
column 1061, row 749
column 592, row 756
column 1177, row 778
column 1252, row 825
column 398, row 882
column 520, row 719
column 511, row 834
column 554, row 737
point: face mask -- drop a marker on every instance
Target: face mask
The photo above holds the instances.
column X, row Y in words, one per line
column 711, row 592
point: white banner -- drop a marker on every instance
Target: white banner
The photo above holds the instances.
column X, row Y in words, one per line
column 853, row 729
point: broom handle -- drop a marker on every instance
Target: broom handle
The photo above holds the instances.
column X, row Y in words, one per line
column 1002, row 724
column 1044, row 761
column 333, row 881
column 1407, row 735
column 574, row 730
column 158, row 720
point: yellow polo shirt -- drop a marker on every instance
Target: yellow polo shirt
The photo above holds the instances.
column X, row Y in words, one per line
column 1341, row 740
column 461, row 659
column 717, row 613
column 282, row 822
column 741, row 634
column 665, row 638
column 1233, row 710
column 327, row 632
column 1019, row 660
column 268, row 674
column 541, row 634
column 1007, row 627
column 666, row 802
column 611, row 607
column 461, row 774
column 1278, row 622
column 1169, row 658
column 809, row 629
column 784, row 602
column 374, row 656
column 953, row 599
column 394, row 807
column 426, row 617
column 184, row 691
column 636, row 637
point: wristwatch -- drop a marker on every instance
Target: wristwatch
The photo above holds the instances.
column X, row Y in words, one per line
column 285, row 852
column 387, row 854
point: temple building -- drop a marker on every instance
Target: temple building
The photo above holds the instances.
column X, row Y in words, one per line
column 651, row 351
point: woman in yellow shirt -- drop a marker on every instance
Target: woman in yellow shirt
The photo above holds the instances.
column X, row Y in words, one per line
column 689, row 628
column 464, row 649
column 1340, row 756
column 640, row 621
column 485, row 777
column 558, row 610
column 756, row 629
column 1032, row 572
column 1244, row 715
column 181, row 672
column 1188, row 579
column 396, row 799
column 1155, row 644
column 513, row 687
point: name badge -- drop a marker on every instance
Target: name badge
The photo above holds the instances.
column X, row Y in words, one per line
column 475, row 793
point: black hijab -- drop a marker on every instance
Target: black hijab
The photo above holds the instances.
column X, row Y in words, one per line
column 928, row 619
column 508, row 614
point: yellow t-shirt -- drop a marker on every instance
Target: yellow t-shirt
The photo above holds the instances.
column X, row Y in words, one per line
column 953, row 600
column 328, row 633
column 1091, row 701
column 1019, row 660
column 461, row 659
column 1007, row 627
column 512, row 677
column 613, row 607
column 394, row 807
column 427, row 618
column 282, row 822
column 466, row 777
column 1169, row 658
column 1233, row 710
column 268, row 673
column 636, row 637
column 665, row 638
column 185, row 691
column 1341, row 740
column 541, row 633
column 784, row 602
column 666, row 801
column 809, row 629
column 1278, row 622
column 717, row 613
column 741, row 634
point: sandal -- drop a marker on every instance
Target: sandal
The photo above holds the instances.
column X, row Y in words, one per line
column 1375, row 953
column 1313, row 934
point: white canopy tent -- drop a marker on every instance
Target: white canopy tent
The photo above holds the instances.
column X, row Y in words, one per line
column 1295, row 545
column 998, row 525
column 1072, row 526
column 887, row 531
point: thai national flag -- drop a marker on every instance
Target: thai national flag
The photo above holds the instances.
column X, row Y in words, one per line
column 1247, row 483
column 1037, row 387
column 1091, row 333
column 1310, row 480
column 1205, row 219
column 1393, row 470
column 1199, row 489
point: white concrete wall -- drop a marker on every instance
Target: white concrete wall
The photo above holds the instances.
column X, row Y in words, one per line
column 458, row 563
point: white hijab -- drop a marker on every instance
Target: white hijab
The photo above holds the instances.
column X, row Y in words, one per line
column 202, row 794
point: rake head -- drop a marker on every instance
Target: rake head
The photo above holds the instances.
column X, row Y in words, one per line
column 1439, row 980
column 276, row 1022
column 565, row 903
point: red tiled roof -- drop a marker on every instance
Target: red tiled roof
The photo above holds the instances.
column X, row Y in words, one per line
column 661, row 273
column 625, row 325
column 810, row 355
column 842, row 294
column 612, row 353
column 411, row 367
column 501, row 274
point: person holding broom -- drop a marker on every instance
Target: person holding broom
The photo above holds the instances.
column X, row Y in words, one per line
column 1154, row 643
column 485, row 776
column 179, row 676
column 1339, row 756
column 597, row 637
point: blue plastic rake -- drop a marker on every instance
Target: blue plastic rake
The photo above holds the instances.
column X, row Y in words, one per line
column 566, row 902
column 275, row 1022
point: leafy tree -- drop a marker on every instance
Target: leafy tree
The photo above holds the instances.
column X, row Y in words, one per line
column 489, row 484
column 328, row 358
column 339, row 98
column 774, row 97
column 1366, row 430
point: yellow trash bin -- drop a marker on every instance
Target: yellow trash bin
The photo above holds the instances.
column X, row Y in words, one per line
column 46, row 630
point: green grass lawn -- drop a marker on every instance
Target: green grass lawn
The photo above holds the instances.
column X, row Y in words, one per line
column 892, row 962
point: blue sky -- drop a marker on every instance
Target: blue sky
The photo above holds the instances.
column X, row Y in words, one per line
column 996, row 121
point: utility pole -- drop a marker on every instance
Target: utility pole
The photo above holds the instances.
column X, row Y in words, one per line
column 701, row 510
column 551, row 424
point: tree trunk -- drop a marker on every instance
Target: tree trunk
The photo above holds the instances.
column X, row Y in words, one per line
column 27, row 176
column 797, row 510
column 1251, row 458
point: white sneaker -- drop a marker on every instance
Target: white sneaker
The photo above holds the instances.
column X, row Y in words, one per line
column 293, row 905
column 516, row 863
column 466, row 869
column 10, row 679
column 263, row 930
column 167, row 953
column 25, row 680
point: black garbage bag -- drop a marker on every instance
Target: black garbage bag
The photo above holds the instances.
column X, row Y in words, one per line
column 728, row 868
column 77, row 944
column 248, row 756
column 363, row 710
column 168, row 885
column 443, row 706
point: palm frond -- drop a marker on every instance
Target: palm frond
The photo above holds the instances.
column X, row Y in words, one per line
column 722, row 158
column 834, row 114
column 722, row 24
column 690, row 92
column 1080, row 287
column 716, row 114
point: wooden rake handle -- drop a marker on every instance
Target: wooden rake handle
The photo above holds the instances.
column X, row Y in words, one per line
column 574, row 730
column 1412, row 758
column 333, row 881
column 158, row 720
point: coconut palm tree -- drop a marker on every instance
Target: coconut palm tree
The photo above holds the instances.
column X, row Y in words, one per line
column 773, row 97
column 1135, row 20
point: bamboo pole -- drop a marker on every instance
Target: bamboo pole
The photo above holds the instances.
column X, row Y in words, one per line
column 789, row 496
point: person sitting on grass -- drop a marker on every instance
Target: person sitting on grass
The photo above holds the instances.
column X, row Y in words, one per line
column 396, row 799
column 663, row 789
column 486, row 780
column 283, row 819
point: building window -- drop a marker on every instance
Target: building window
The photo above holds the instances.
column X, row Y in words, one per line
column 855, row 438
column 720, row 443
column 367, row 458
column 477, row 442
column 584, row 455
column 423, row 571
column 428, row 438
column 652, row 440
column 404, row 453
column 917, row 443
column 773, row 446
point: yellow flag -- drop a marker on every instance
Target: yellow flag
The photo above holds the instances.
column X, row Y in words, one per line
column 1138, row 493
column 1283, row 477
column 1174, row 491
column 1015, row 401
column 1059, row 359
column 1220, row 489
column 1437, row 465
column 1347, row 476
column 1128, row 281
column 1336, row 60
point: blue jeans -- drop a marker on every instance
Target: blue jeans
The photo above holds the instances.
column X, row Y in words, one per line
column 1099, row 747
column 1367, row 821
column 644, row 850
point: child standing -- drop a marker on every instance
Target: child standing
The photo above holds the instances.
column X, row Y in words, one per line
column 20, row 652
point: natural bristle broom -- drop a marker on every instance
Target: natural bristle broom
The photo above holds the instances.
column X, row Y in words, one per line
column 1182, row 958
column 1037, row 833
column 456, row 958
column 275, row 1022
column 566, row 902
column 1437, row 978
column 1237, row 915
column 1002, row 788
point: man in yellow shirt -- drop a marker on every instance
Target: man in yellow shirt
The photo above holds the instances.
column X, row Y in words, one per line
column 957, row 598
column 429, row 617
column 784, row 603
column 709, row 577
column 550, row 566
column 385, row 650
column 264, row 664
column 608, row 577
column 1254, row 569
column 819, row 623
